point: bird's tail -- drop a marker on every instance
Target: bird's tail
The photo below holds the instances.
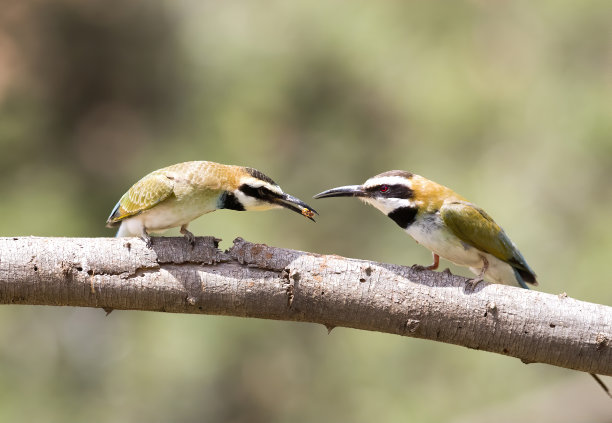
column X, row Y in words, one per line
column 523, row 276
column 111, row 222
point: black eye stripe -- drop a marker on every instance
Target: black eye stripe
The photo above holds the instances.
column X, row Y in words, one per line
column 258, row 192
column 249, row 190
column 269, row 193
column 393, row 191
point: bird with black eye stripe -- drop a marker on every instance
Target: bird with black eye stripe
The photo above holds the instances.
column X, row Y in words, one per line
column 445, row 223
column 177, row 194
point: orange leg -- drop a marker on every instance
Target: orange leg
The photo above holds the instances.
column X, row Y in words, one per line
column 433, row 266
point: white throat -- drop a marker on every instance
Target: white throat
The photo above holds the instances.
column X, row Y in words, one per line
column 387, row 205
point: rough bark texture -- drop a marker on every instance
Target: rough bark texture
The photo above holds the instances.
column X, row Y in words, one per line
column 254, row 280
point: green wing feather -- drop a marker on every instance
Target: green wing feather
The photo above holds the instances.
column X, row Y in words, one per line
column 144, row 194
column 476, row 228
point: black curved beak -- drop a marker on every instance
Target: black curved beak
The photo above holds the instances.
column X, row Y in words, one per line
column 346, row 191
column 292, row 203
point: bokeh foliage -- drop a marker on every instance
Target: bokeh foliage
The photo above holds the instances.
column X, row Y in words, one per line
column 509, row 103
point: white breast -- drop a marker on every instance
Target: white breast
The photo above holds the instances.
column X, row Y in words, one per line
column 173, row 213
column 432, row 234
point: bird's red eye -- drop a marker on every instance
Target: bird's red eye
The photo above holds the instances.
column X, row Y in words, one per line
column 384, row 188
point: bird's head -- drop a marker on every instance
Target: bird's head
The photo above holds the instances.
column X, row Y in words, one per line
column 390, row 192
column 256, row 192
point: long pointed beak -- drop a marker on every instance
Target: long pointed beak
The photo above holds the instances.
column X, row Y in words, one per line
column 292, row 203
column 346, row 191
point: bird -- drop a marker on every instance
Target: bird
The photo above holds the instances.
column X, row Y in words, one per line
column 446, row 223
column 175, row 195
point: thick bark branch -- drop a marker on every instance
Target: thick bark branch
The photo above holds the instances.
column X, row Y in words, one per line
column 253, row 280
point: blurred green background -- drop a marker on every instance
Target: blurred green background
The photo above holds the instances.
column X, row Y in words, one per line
column 509, row 103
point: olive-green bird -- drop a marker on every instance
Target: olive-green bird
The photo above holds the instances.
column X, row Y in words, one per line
column 445, row 223
column 177, row 194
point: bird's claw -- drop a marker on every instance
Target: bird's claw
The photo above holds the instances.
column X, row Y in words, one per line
column 191, row 239
column 420, row 267
column 432, row 266
column 474, row 282
column 147, row 239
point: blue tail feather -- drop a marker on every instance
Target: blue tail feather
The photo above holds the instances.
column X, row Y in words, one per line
column 112, row 215
column 519, row 279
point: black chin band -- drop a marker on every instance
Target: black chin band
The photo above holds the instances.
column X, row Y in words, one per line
column 404, row 216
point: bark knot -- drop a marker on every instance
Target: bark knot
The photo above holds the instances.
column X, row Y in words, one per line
column 411, row 325
column 289, row 280
column 491, row 309
column 602, row 341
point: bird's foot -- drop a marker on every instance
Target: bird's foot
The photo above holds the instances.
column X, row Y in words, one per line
column 147, row 239
column 474, row 282
column 420, row 268
column 188, row 236
column 432, row 266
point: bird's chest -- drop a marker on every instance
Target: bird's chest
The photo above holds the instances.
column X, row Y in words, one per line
column 177, row 211
column 431, row 232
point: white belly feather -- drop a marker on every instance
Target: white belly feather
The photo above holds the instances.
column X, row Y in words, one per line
column 166, row 215
column 433, row 235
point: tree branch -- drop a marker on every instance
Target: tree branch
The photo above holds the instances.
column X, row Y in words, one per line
column 254, row 280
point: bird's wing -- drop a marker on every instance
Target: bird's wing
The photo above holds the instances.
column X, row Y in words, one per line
column 476, row 228
column 144, row 194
